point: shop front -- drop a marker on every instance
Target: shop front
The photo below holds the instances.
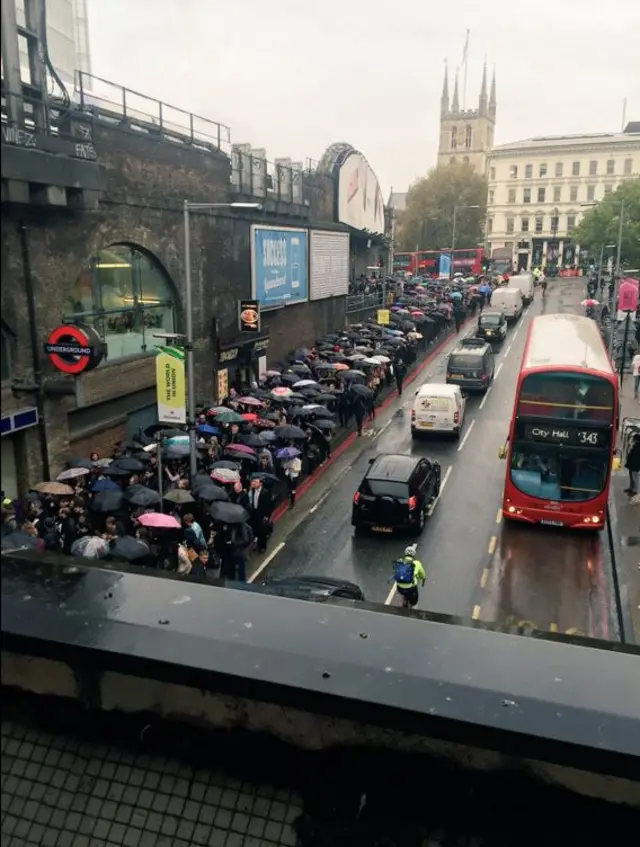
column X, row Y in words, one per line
column 240, row 363
column 14, row 447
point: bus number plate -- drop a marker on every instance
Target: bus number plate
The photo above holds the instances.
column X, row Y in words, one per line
column 552, row 523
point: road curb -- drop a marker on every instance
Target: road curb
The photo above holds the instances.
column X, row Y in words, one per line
column 622, row 601
column 283, row 507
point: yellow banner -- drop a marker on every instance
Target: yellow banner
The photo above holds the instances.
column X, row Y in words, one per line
column 223, row 384
column 171, row 387
column 383, row 317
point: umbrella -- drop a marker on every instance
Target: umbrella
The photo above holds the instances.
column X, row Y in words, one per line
column 240, row 448
column 267, row 437
column 200, row 479
column 289, row 431
column 104, row 485
column 176, row 440
column 55, row 489
column 129, row 548
column 19, row 540
column 179, row 496
column 305, row 383
column 90, row 547
column 140, row 495
column 228, row 417
column 142, row 457
column 361, row 390
column 156, row 428
column 287, row 453
column 217, row 410
column 177, row 451
column 158, row 521
column 228, row 512
column 250, row 401
column 224, row 463
column 590, row 302
column 348, row 376
column 129, row 464
column 340, row 366
column 267, row 478
column 211, row 492
column 114, row 470
column 107, row 501
column 266, row 422
column 323, row 423
column 282, row 392
column 225, row 475
column 72, row 473
column 253, row 440
column 249, row 417
column 81, row 463
column 206, row 429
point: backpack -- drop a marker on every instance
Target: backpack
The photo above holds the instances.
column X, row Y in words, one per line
column 403, row 572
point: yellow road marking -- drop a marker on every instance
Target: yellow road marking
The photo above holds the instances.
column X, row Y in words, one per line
column 575, row 630
column 492, row 544
column 553, row 627
column 476, row 613
column 485, row 577
column 499, row 516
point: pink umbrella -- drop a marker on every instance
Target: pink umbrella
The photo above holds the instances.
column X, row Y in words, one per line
column 250, row 401
column 225, row 475
column 240, row 448
column 281, row 391
column 158, row 520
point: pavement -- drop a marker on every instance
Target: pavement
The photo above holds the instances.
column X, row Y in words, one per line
column 625, row 519
column 524, row 578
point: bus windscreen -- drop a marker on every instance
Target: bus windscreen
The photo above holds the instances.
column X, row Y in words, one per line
column 568, row 396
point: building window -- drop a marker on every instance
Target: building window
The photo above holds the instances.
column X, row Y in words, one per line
column 465, row 159
column 452, row 160
column 512, row 195
column 468, row 135
column 513, row 172
column 127, row 296
column 557, row 193
column 559, row 169
column 492, row 173
column 528, row 171
column 524, row 225
column 591, row 192
column 575, row 169
column 608, row 189
column 573, row 193
column 628, row 166
column 526, row 195
column 491, row 195
column 611, row 166
column 571, row 223
column 543, row 169
column 5, row 358
column 593, row 167
column 539, row 223
column 510, row 225
column 454, row 138
column 542, row 193
column 489, row 225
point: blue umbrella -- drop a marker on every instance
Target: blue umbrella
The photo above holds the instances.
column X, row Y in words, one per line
column 205, row 429
column 104, row 485
column 486, row 289
column 287, row 453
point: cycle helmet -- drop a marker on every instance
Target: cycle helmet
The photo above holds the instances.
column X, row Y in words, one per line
column 411, row 550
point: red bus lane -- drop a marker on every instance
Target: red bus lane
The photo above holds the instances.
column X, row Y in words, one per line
column 563, row 428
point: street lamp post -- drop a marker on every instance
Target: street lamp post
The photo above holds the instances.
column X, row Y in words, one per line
column 453, row 232
column 187, row 208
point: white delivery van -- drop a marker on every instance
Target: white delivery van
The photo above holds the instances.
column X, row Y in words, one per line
column 525, row 283
column 509, row 300
column 438, row 407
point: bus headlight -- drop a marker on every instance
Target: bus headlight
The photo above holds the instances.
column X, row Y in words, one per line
column 591, row 519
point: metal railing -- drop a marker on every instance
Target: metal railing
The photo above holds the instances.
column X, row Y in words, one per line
column 118, row 105
column 358, row 302
column 254, row 175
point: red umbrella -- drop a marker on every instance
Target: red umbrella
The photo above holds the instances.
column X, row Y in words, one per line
column 249, row 417
column 240, row 448
column 250, row 401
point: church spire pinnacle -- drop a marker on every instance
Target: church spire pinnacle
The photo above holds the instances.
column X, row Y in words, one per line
column 483, row 91
column 455, row 103
column 444, row 99
column 492, row 96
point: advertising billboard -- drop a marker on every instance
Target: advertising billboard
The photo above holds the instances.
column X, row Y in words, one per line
column 329, row 264
column 171, row 387
column 279, row 261
column 360, row 202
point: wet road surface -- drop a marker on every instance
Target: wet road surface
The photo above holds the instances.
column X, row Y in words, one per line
column 477, row 566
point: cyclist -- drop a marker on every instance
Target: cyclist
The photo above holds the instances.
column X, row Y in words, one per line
column 407, row 573
column 543, row 284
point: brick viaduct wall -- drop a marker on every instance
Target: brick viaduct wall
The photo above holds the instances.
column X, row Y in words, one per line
column 146, row 182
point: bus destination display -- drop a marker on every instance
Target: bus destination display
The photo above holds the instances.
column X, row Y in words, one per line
column 572, row 436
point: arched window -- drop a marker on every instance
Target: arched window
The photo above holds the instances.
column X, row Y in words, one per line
column 465, row 159
column 454, row 138
column 127, row 296
column 468, row 134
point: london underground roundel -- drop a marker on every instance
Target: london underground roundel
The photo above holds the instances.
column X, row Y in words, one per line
column 74, row 349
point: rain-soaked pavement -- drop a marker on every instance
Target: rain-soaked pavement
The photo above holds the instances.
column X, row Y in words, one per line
column 477, row 566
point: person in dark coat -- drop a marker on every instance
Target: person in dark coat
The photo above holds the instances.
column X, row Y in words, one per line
column 261, row 507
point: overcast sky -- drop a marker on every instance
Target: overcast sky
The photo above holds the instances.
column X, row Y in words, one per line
column 293, row 76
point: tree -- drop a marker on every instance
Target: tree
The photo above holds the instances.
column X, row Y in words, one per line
column 601, row 224
column 427, row 222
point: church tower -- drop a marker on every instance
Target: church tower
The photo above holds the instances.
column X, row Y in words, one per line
column 467, row 134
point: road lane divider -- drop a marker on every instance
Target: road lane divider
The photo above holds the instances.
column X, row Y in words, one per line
column 475, row 614
column 515, row 334
column 391, row 595
column 466, row 435
column 498, row 369
column 492, row 545
column 263, row 564
column 484, row 578
column 443, row 482
column 507, row 351
column 484, row 399
column 499, row 516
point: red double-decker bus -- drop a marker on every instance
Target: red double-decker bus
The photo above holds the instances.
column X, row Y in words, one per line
column 563, row 429
column 428, row 262
column 404, row 262
column 469, row 261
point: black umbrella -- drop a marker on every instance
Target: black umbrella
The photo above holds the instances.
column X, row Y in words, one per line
column 201, row 479
column 107, row 501
column 361, row 390
column 290, row 431
column 322, row 413
column 141, row 456
column 140, row 495
column 159, row 427
column 129, row 464
column 225, row 463
column 323, row 423
column 228, row 512
column 81, row 463
column 212, row 493
column 253, row 440
column 326, row 397
column 129, row 445
column 19, row 540
column 114, row 470
column 129, row 548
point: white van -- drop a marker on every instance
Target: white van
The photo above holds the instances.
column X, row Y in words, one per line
column 438, row 408
column 509, row 300
column 524, row 281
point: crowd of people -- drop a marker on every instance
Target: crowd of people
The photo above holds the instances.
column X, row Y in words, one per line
column 140, row 505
